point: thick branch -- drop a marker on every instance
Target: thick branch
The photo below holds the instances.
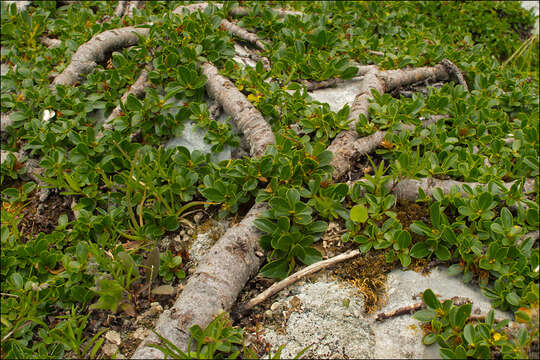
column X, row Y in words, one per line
column 367, row 144
column 452, row 69
column 297, row 276
column 407, row 189
column 5, row 121
column 456, row 300
column 133, row 4
column 242, row 11
column 381, row 82
column 50, row 42
column 247, row 118
column 242, row 33
column 213, row 287
column 96, row 50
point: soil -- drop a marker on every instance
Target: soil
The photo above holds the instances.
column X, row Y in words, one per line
column 37, row 216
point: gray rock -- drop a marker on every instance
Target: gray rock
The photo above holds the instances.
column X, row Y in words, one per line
column 193, row 137
column 113, row 337
column 322, row 319
column 339, row 96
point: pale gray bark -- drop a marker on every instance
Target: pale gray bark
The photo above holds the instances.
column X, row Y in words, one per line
column 381, row 82
column 247, row 118
column 213, row 287
column 50, row 42
column 408, row 189
column 96, row 50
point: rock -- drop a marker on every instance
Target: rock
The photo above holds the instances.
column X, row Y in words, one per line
column 401, row 336
column 193, row 137
column 275, row 306
column 325, row 324
column 268, row 314
column 113, row 337
column 141, row 333
column 318, row 317
column 109, row 349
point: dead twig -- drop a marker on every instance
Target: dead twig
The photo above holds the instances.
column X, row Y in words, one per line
column 296, row 276
column 456, row 300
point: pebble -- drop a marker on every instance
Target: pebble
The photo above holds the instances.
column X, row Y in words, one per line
column 109, row 349
column 156, row 307
column 141, row 333
column 113, row 337
column 268, row 314
column 183, row 233
column 190, row 231
column 275, row 306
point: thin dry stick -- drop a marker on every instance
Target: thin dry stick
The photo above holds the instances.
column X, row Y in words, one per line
column 456, row 300
column 297, row 276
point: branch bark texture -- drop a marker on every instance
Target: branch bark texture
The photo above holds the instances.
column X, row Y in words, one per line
column 247, row 118
column 96, row 50
column 213, row 287
column 381, row 82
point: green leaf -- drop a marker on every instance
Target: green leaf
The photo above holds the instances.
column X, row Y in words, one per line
column 133, row 104
column 435, row 215
column 523, row 336
column 212, row 194
column 443, row 253
column 293, row 196
column 359, row 213
column 424, row 315
column 469, row 333
column 522, row 316
column 170, row 223
column 277, row 269
column 284, row 224
column 430, row 299
column 512, row 298
column 446, row 353
column 317, row 227
column 280, row 206
column 463, row 314
column 419, row 250
column 265, row 225
column 17, row 280
column 404, row 239
column 419, row 227
column 311, row 256
column 429, row 339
